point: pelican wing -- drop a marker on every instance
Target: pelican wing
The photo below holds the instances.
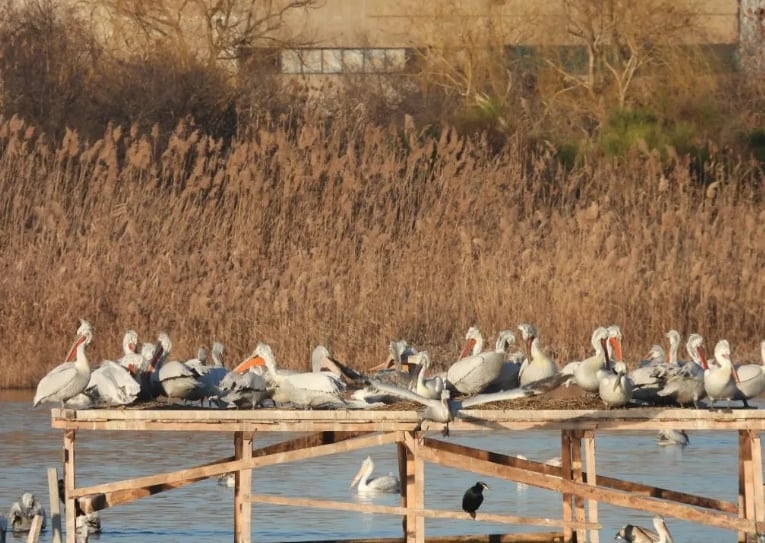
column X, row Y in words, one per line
column 503, row 395
column 56, row 380
column 402, row 393
column 318, row 382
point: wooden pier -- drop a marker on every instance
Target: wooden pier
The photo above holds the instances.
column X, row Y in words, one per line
column 320, row 433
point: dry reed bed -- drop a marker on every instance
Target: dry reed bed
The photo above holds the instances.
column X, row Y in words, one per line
column 343, row 237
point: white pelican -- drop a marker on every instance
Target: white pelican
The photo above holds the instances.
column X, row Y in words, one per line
column 134, row 361
column 684, row 384
column 244, row 388
column 384, row 483
column 752, row 377
column 175, row 378
column 635, row 534
column 615, row 343
column 616, row 388
column 537, row 365
column 322, row 361
column 472, row 374
column 309, row 389
column 67, row 380
column 587, row 372
column 427, row 387
column 674, row 343
column 22, row 512
column 721, row 383
column 445, row 409
column 227, row 479
column 112, row 384
column 673, row 437
column 511, row 368
column 209, row 376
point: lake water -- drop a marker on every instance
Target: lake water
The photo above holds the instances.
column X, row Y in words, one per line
column 203, row 512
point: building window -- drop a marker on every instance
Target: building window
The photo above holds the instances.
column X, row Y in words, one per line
column 340, row 60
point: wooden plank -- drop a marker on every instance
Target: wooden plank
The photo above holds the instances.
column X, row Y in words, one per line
column 566, row 473
column 419, row 492
column 744, row 482
column 242, row 488
column 591, row 479
column 610, row 482
column 307, row 442
column 576, row 472
column 396, row 510
column 406, row 479
column 34, row 529
column 534, row 537
column 210, row 470
column 55, row 505
column 621, row 499
column 757, row 482
column 69, row 497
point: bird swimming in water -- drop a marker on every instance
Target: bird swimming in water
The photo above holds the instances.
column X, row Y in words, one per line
column 635, row 534
column 673, row 437
column 473, row 498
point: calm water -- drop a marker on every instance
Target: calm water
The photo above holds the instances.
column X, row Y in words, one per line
column 202, row 512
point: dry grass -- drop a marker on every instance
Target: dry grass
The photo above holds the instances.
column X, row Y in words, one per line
column 339, row 236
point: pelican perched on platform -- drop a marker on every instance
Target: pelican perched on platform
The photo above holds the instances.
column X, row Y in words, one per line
column 616, row 387
column 22, row 512
column 445, row 409
column 751, row 377
column 587, row 372
column 721, row 382
column 131, row 359
column 537, row 365
column 308, row 389
column 244, row 388
column 635, row 534
column 684, row 383
column 68, row 379
column 427, row 387
column 112, row 384
column 384, row 483
column 471, row 374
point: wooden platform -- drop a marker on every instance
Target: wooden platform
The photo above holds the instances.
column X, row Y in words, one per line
column 331, row 432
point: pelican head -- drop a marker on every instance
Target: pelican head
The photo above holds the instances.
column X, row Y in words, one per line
column 218, row 350
column 695, row 347
column 130, row 341
column 505, row 340
column 473, row 342
column 367, row 467
column 615, row 341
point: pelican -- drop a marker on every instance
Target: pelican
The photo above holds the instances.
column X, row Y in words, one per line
column 112, row 384
column 445, row 409
column 209, row 376
column 615, row 343
column 323, row 362
column 674, row 344
column 616, row 388
column 172, row 378
column 246, row 388
column 399, row 352
column 22, row 512
column 227, row 479
column 537, row 365
column 309, row 389
column 427, row 387
column 673, row 437
column 384, row 483
column 131, row 358
column 472, row 374
column 636, row 534
column 67, row 380
column 511, row 367
column 587, row 372
column 752, row 377
column 645, row 380
column 684, row 383
column 721, row 382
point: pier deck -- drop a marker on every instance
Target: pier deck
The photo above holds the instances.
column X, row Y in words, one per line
column 326, row 432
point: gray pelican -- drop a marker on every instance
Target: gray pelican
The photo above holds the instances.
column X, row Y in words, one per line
column 472, row 374
column 587, row 372
column 246, row 388
column 67, row 380
column 684, row 383
column 721, row 383
column 644, row 377
column 673, row 437
column 174, row 377
column 635, row 534
column 309, row 389
column 22, row 512
column 616, row 388
column 209, row 376
column 384, row 483
column 537, row 365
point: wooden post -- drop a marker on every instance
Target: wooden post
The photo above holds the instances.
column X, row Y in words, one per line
column 242, row 489
column 745, row 490
column 71, row 514
column 565, row 457
column 406, row 478
column 55, row 505
column 419, row 492
column 589, row 459
column 578, row 476
column 757, row 482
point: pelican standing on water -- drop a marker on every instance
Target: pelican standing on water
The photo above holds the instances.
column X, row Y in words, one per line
column 384, row 483
column 67, row 380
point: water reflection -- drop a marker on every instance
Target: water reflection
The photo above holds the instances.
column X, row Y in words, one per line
column 203, row 511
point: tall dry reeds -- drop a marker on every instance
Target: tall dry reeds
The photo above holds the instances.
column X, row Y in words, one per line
column 356, row 235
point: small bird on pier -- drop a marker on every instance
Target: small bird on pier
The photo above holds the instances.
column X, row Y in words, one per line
column 635, row 534
column 473, row 498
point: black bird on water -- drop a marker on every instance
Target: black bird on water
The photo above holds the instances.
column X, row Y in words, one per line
column 473, row 498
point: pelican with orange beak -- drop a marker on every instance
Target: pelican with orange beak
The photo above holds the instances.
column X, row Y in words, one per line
column 70, row 378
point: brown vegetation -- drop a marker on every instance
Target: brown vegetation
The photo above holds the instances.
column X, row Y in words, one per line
column 356, row 235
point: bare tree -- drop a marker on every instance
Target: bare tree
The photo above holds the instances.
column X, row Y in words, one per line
column 212, row 30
